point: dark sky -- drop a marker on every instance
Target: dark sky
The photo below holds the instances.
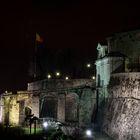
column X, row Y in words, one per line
column 71, row 31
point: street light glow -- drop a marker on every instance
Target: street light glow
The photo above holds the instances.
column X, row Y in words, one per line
column 57, row 73
column 45, row 124
column 6, row 91
column 88, row 65
column 88, row 133
column 49, row 76
column 66, row 77
column 93, row 77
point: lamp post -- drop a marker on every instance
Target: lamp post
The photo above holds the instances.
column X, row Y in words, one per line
column 45, row 125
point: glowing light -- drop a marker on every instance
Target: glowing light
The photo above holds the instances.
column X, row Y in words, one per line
column 66, row 77
column 49, row 76
column 1, row 109
column 88, row 65
column 57, row 73
column 45, row 124
column 93, row 77
column 88, row 133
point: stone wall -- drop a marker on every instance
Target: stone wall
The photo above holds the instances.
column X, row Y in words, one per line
column 87, row 107
column 70, row 101
column 13, row 111
column 58, row 84
column 75, row 99
column 76, row 106
column 61, row 108
column 35, row 106
column 128, row 44
column 122, row 112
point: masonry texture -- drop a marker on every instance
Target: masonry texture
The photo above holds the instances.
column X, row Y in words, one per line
column 71, row 100
column 122, row 113
column 67, row 101
column 13, row 107
column 118, row 86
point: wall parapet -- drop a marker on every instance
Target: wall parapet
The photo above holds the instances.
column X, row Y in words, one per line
column 56, row 84
column 126, row 85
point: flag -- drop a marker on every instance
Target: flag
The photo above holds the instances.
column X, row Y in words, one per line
column 38, row 38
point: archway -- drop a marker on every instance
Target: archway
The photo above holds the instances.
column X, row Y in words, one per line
column 48, row 107
column 28, row 111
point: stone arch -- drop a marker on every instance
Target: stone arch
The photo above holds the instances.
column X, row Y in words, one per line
column 48, row 107
column 27, row 111
column 24, row 111
column 71, row 109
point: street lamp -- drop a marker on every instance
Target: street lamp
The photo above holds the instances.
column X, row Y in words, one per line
column 45, row 124
column 6, row 91
column 67, row 78
column 93, row 77
column 49, row 76
column 57, row 74
column 88, row 133
column 88, row 65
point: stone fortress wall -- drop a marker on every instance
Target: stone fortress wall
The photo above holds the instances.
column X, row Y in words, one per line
column 118, row 71
column 13, row 107
column 122, row 112
column 126, row 43
column 72, row 101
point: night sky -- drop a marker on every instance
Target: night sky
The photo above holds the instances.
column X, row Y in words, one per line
column 71, row 31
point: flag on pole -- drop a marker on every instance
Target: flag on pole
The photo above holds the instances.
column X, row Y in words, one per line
column 38, row 38
column 37, row 56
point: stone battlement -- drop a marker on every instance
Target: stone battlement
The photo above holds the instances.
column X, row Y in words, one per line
column 125, row 85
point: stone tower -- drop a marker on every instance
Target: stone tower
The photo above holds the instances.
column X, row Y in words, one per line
column 120, row 54
column 118, row 86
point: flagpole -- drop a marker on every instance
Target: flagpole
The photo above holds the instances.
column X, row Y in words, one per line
column 35, row 59
column 38, row 39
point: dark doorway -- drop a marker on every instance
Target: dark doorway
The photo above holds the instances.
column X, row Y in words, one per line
column 49, row 108
column 28, row 111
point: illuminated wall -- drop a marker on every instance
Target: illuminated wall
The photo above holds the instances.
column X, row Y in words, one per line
column 14, row 107
column 87, row 107
column 71, row 107
column 1, row 109
column 122, row 113
column 66, row 100
column 117, row 85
